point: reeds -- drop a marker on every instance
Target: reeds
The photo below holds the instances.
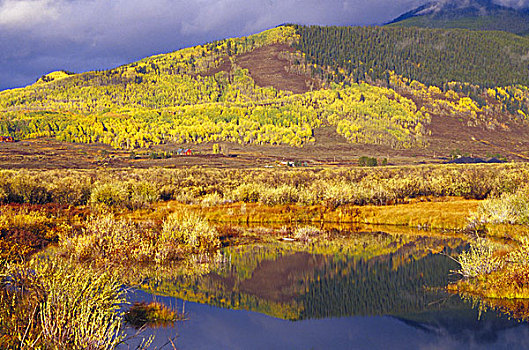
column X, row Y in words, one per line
column 50, row 303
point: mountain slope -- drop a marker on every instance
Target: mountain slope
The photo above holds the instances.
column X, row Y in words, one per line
column 469, row 14
column 284, row 86
column 431, row 56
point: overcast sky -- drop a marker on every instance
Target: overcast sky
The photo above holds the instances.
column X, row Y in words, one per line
column 40, row 36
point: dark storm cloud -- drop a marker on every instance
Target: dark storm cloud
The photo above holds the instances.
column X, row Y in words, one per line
column 39, row 36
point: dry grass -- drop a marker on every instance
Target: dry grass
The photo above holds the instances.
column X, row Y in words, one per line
column 436, row 215
column 450, row 214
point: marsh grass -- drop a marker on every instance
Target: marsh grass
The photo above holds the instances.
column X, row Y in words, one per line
column 51, row 303
column 307, row 233
column 448, row 214
column 153, row 314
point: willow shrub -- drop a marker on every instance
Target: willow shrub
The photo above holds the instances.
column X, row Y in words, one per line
column 508, row 208
column 480, row 260
column 107, row 239
column 131, row 194
column 110, row 240
column 136, row 188
column 190, row 231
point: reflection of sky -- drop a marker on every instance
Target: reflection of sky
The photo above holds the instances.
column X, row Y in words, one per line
column 210, row 327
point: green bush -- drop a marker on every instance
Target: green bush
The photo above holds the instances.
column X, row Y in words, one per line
column 367, row 161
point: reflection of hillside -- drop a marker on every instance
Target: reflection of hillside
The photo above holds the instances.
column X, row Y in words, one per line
column 374, row 287
column 280, row 280
column 346, row 276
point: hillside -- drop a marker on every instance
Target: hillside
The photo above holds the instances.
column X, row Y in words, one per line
column 327, row 94
column 475, row 15
column 431, row 56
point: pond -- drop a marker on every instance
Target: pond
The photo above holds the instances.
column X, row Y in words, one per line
column 369, row 291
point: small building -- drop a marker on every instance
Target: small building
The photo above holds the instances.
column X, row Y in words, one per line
column 184, row 152
column 7, row 139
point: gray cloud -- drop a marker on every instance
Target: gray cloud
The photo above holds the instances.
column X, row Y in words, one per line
column 39, row 36
column 513, row 3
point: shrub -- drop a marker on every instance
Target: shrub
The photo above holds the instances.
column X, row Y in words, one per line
column 505, row 209
column 283, row 194
column 248, row 193
column 367, row 161
column 70, row 190
column 105, row 238
column 110, row 194
column 520, row 256
column 479, row 260
column 141, row 193
column 339, row 193
column 25, row 188
column 190, row 230
column 211, row 200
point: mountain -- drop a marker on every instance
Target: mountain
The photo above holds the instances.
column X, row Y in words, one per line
column 466, row 14
column 431, row 56
column 330, row 92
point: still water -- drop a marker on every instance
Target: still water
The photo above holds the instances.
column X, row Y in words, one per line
column 361, row 293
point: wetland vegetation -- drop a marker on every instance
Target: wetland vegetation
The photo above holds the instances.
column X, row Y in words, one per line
column 163, row 230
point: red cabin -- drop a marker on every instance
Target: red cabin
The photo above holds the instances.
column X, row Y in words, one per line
column 7, row 139
column 188, row 152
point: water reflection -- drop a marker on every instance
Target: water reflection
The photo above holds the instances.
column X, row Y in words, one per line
column 373, row 291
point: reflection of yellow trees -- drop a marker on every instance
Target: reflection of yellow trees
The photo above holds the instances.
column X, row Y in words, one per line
column 339, row 258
